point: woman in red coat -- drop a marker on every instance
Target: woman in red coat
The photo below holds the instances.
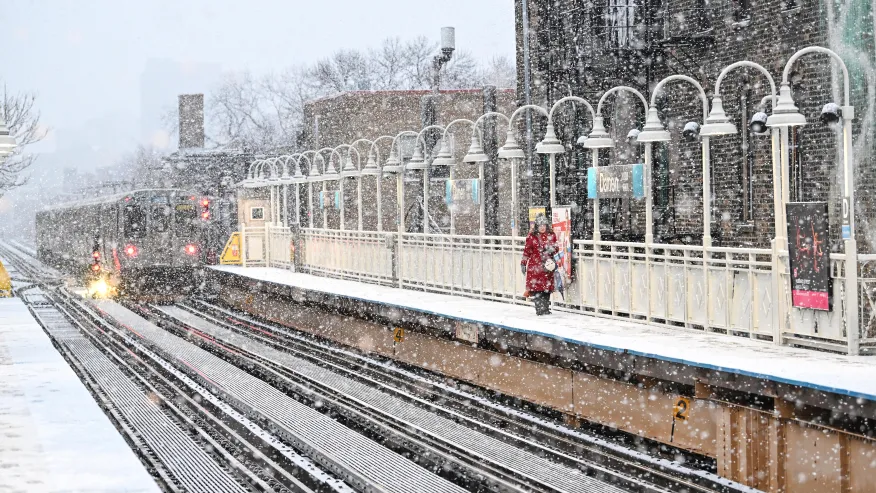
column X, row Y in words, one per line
column 539, row 264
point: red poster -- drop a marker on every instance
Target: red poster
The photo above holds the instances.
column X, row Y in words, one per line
column 809, row 255
column 562, row 224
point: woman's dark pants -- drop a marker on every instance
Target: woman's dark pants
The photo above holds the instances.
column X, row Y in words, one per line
column 542, row 300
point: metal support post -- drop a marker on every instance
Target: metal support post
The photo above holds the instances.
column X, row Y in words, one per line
column 426, row 201
column 359, row 203
column 379, row 179
column 514, row 218
column 597, row 235
column 553, row 179
column 343, row 201
column 649, row 197
column 850, row 243
column 481, row 200
column 707, row 196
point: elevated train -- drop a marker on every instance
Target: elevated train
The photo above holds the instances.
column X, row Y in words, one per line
column 140, row 242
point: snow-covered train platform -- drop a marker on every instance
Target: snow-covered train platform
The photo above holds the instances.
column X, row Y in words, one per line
column 776, row 418
column 839, row 374
column 53, row 435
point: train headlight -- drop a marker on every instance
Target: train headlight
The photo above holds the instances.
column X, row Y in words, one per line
column 131, row 250
column 191, row 249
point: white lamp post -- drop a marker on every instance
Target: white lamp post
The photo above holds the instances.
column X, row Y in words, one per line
column 7, row 141
column 552, row 146
column 599, row 139
column 418, row 162
column 394, row 165
column 373, row 169
column 512, row 151
column 654, row 131
column 349, row 170
column 328, row 173
column 445, row 158
column 476, row 154
column 785, row 114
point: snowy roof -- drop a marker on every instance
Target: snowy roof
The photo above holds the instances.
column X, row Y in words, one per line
column 108, row 199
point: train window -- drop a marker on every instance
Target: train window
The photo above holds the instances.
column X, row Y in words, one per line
column 160, row 218
column 135, row 221
column 184, row 221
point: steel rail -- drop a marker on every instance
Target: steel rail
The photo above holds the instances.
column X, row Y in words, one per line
column 455, row 462
column 83, row 339
column 532, row 432
column 478, row 458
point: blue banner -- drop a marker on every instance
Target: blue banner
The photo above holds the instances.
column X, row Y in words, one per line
column 615, row 182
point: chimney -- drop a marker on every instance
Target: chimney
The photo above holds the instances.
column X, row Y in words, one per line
column 191, row 121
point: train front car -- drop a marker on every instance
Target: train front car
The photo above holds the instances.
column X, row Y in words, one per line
column 144, row 242
column 161, row 242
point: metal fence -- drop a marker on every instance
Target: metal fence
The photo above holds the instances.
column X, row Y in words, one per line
column 734, row 291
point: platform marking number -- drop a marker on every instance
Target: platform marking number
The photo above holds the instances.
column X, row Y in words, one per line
column 398, row 335
column 681, row 408
column 679, row 413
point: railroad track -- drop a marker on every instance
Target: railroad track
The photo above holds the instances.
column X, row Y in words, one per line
column 574, row 449
column 188, row 439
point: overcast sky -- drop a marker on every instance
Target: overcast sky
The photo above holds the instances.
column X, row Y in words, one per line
column 85, row 58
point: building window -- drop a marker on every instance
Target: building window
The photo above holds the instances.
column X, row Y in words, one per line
column 257, row 213
column 616, row 22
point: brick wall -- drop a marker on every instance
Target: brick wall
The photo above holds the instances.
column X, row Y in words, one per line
column 569, row 54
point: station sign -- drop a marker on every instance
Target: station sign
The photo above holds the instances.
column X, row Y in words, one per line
column 616, row 182
column 462, row 193
column 809, row 254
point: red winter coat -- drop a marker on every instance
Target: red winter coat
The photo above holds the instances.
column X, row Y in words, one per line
column 539, row 247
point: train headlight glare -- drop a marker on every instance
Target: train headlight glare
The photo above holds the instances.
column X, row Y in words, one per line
column 99, row 288
column 131, row 251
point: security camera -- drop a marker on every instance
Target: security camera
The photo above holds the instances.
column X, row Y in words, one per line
column 831, row 114
column 691, row 130
column 758, row 122
column 633, row 135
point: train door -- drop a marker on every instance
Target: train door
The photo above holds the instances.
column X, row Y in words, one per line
column 161, row 235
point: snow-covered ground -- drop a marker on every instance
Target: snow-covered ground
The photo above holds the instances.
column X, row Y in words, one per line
column 846, row 375
column 53, row 435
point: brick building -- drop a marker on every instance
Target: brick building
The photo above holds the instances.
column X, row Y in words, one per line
column 347, row 117
column 586, row 47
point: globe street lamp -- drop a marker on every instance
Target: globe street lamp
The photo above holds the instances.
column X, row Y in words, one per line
column 654, row 131
column 552, row 146
column 512, row 152
column 785, row 114
column 599, row 139
column 7, row 141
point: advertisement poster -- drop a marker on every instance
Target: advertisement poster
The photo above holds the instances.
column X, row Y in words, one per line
column 462, row 193
column 534, row 211
column 809, row 254
column 562, row 223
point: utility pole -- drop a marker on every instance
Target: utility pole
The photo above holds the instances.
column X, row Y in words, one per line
column 429, row 103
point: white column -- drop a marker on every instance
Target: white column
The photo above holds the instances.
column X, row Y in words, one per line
column 310, row 205
column 707, row 195
column 426, row 201
column 359, row 202
column 325, row 206
column 298, row 205
column 597, row 235
column 649, row 196
column 285, row 205
column 379, row 178
column 851, row 246
column 343, row 208
column 779, row 242
column 553, row 179
column 482, row 199
column 514, row 226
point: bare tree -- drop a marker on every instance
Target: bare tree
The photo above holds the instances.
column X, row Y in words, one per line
column 266, row 114
column 23, row 119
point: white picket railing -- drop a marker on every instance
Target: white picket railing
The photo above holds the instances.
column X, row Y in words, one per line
column 360, row 255
column 735, row 291
column 485, row 267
